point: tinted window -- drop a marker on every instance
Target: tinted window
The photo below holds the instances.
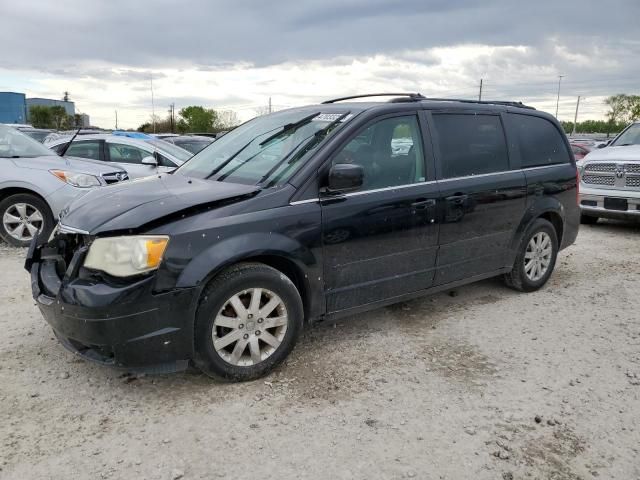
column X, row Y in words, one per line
column 84, row 150
column 127, row 153
column 390, row 152
column 539, row 141
column 470, row 144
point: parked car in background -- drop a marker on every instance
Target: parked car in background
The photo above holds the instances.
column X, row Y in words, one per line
column 192, row 143
column 39, row 134
column 163, row 136
column 36, row 184
column 579, row 150
column 610, row 179
column 223, row 262
column 140, row 157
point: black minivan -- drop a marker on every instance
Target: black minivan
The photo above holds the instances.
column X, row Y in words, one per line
column 302, row 215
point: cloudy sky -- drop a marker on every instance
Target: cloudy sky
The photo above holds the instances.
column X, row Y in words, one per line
column 236, row 54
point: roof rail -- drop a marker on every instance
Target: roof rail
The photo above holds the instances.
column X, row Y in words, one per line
column 410, row 97
column 483, row 102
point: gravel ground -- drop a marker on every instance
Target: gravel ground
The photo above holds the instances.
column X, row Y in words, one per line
column 480, row 383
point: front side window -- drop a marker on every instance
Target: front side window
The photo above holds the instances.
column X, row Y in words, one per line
column 127, row 153
column 267, row 150
column 539, row 141
column 470, row 144
column 83, row 150
column 389, row 151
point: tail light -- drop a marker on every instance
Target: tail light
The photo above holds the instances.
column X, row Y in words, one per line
column 577, row 186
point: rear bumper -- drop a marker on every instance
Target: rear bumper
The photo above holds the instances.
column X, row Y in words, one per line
column 592, row 202
column 121, row 326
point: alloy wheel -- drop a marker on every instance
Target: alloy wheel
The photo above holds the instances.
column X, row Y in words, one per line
column 537, row 257
column 249, row 327
column 22, row 221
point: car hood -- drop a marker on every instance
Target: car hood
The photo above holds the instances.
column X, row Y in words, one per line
column 630, row 152
column 136, row 203
column 73, row 164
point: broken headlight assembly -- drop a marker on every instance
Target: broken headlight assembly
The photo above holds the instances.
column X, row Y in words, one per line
column 126, row 256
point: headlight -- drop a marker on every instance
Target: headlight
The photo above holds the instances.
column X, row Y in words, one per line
column 81, row 180
column 126, row 256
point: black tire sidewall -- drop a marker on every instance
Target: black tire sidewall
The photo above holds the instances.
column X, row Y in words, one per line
column 38, row 203
column 540, row 225
column 217, row 293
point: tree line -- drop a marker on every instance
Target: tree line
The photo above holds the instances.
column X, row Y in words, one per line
column 193, row 119
column 54, row 117
column 623, row 109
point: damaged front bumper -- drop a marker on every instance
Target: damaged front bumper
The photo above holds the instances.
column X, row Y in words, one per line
column 123, row 324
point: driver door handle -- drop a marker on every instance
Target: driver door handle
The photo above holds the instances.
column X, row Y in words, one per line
column 423, row 203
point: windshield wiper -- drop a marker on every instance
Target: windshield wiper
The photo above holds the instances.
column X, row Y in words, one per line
column 305, row 141
column 289, row 127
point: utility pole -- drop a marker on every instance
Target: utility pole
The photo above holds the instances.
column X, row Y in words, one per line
column 575, row 119
column 172, row 109
column 558, row 99
column 116, row 119
column 480, row 94
column 269, row 104
column 153, row 108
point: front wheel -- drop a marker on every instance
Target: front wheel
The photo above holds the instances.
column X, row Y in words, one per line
column 248, row 321
column 23, row 217
column 536, row 258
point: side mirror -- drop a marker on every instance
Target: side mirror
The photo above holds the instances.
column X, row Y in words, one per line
column 150, row 160
column 345, row 177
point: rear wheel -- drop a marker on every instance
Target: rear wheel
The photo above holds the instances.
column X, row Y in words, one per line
column 23, row 217
column 588, row 219
column 248, row 321
column 536, row 258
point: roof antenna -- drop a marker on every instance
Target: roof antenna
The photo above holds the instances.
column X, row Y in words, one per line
column 67, row 145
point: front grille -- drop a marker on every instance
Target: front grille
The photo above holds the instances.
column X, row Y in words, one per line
column 115, row 177
column 598, row 180
column 600, row 167
column 633, row 181
column 632, row 167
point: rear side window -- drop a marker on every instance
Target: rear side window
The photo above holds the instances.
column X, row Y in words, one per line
column 539, row 141
column 470, row 144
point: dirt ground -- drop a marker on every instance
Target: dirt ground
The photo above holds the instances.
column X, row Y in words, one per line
column 482, row 383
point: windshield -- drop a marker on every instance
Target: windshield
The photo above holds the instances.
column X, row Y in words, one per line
column 177, row 152
column 266, row 150
column 631, row 136
column 15, row 144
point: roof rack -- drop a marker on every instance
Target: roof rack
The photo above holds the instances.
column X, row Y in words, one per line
column 409, row 97
column 483, row 102
column 416, row 97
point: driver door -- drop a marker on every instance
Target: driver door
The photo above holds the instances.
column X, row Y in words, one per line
column 380, row 242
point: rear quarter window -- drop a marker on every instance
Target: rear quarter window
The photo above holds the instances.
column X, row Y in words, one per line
column 538, row 140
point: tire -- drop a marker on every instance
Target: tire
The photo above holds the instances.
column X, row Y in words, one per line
column 588, row 219
column 217, row 320
column 522, row 276
column 17, row 209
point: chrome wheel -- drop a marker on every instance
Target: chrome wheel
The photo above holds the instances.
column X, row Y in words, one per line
column 537, row 257
column 250, row 327
column 22, row 221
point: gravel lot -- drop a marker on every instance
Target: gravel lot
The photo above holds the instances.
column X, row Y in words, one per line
column 481, row 383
